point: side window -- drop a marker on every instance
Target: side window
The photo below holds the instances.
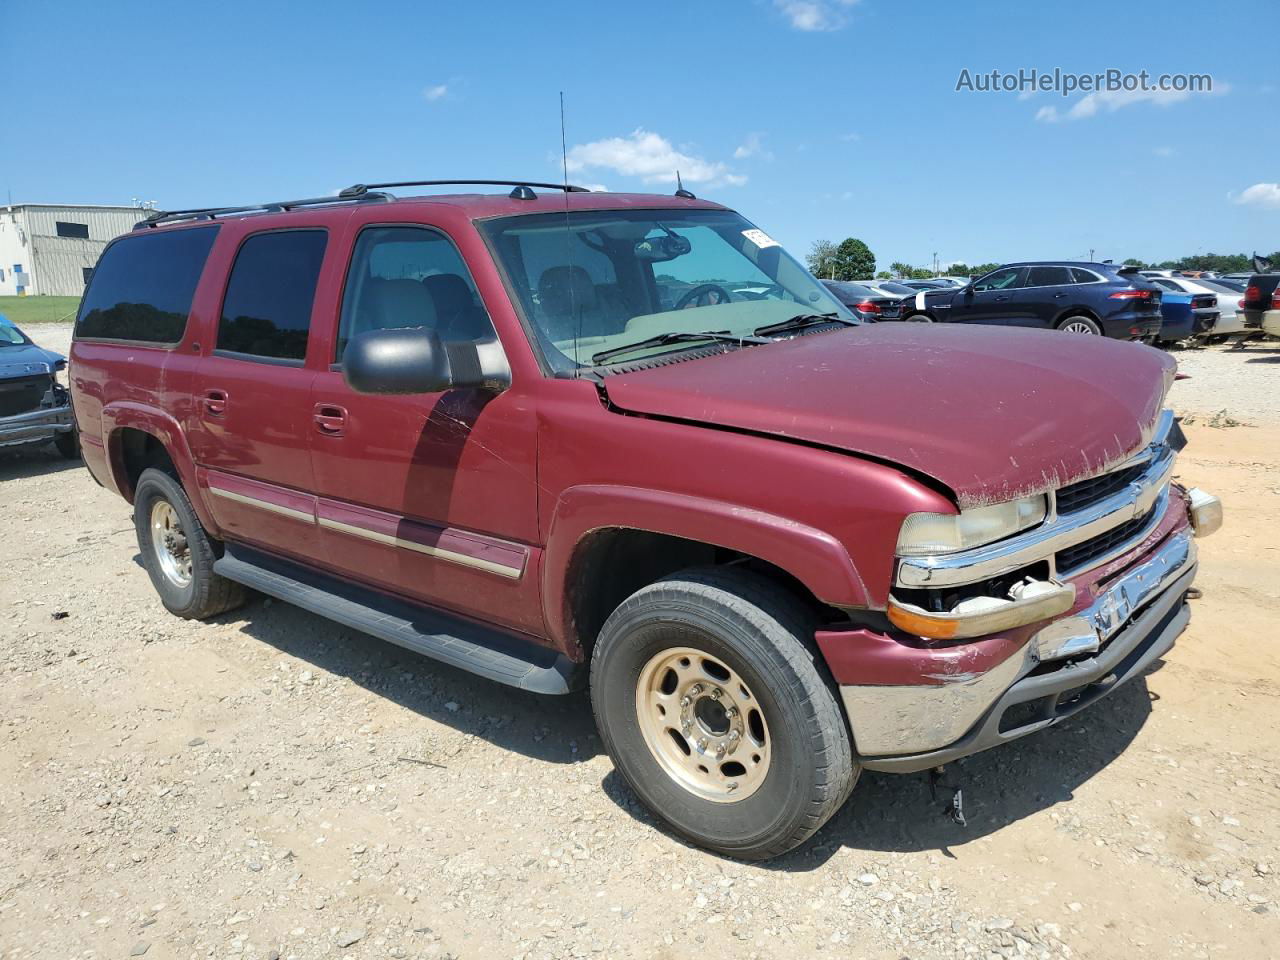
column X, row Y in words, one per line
column 1165, row 283
column 142, row 287
column 267, row 308
column 1083, row 276
column 1048, row 277
column 410, row 277
column 1000, row 280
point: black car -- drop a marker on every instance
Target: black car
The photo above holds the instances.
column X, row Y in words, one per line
column 1260, row 297
column 1097, row 298
column 866, row 303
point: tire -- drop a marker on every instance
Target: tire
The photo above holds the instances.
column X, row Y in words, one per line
column 747, row 643
column 919, row 318
column 68, row 444
column 1079, row 323
column 183, row 575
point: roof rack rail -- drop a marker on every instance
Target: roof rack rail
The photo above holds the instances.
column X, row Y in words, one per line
column 278, row 206
column 360, row 189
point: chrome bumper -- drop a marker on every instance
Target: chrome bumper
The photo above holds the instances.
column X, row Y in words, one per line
column 1133, row 622
column 36, row 426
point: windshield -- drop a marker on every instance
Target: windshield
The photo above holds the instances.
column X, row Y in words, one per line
column 10, row 336
column 848, row 292
column 591, row 282
column 889, row 286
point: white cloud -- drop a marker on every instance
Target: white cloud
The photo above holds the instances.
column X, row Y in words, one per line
column 1164, row 151
column 1261, row 195
column 435, row 92
column 652, row 158
column 850, row 137
column 815, row 15
column 1112, row 100
column 752, row 146
column 595, row 187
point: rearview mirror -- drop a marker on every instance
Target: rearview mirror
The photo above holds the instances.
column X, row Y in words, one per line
column 662, row 249
column 416, row 360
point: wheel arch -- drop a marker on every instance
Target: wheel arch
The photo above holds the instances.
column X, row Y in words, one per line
column 1078, row 310
column 137, row 436
column 607, row 542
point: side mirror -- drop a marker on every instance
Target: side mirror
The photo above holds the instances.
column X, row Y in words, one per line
column 414, row 360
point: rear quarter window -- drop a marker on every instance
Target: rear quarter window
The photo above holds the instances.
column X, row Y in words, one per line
column 142, row 287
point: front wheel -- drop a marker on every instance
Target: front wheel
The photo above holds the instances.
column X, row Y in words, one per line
column 714, row 706
column 919, row 318
column 1081, row 324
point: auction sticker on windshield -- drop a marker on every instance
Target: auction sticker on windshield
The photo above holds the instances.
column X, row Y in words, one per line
column 760, row 238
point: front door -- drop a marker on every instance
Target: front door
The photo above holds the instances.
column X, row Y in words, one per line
column 251, row 397
column 990, row 300
column 433, row 496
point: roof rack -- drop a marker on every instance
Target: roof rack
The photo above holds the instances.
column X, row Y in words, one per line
column 360, row 189
column 278, row 206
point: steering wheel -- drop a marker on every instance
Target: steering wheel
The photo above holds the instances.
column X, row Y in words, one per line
column 704, row 290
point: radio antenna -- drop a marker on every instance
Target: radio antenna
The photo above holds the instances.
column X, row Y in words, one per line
column 568, row 241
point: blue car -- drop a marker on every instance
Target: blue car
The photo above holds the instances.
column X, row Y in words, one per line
column 1185, row 315
column 34, row 407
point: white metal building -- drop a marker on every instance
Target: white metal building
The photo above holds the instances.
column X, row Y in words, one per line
column 50, row 248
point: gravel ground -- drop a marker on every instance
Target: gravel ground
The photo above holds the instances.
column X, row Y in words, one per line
column 269, row 785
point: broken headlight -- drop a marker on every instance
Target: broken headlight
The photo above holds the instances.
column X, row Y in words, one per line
column 926, row 534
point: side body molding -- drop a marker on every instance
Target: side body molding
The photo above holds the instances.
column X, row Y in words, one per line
column 815, row 558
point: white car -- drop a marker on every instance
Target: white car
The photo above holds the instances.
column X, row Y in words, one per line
column 1230, row 319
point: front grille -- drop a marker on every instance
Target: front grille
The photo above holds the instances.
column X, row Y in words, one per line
column 1077, row 496
column 22, row 394
column 1080, row 554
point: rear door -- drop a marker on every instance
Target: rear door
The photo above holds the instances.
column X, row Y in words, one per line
column 1045, row 293
column 990, row 299
column 251, row 395
column 432, row 496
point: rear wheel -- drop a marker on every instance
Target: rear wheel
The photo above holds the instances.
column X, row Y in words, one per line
column 716, row 709
column 177, row 552
column 1080, row 324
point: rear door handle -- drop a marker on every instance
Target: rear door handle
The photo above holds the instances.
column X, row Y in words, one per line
column 215, row 403
column 330, row 419
column 1058, row 296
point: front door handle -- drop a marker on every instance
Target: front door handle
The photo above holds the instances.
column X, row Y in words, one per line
column 330, row 419
column 215, row 403
column 1002, row 299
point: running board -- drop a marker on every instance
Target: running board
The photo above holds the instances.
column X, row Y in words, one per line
column 469, row 646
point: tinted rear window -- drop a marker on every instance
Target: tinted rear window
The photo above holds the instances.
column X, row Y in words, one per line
column 267, row 309
column 1048, row 277
column 1083, row 276
column 142, row 287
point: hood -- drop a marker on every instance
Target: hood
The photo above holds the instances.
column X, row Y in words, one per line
column 992, row 413
column 26, row 360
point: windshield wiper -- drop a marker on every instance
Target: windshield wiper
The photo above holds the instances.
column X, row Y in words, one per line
column 802, row 320
column 673, row 337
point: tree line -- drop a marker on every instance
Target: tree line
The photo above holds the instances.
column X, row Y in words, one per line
column 852, row 259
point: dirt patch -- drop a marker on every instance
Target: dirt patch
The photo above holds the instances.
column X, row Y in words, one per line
column 269, row 784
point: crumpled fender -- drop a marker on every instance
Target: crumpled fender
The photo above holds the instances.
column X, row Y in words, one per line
column 815, row 558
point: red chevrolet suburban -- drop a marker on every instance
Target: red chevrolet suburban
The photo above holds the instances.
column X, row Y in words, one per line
column 562, row 438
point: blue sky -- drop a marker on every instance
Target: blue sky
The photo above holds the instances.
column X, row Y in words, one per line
column 814, row 118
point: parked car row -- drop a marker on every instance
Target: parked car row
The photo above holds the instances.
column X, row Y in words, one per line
column 1113, row 300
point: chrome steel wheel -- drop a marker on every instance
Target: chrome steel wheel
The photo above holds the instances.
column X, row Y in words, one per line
column 1079, row 326
column 703, row 724
column 169, row 541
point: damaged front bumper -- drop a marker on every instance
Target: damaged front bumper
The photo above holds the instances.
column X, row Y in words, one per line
column 35, row 426
column 969, row 697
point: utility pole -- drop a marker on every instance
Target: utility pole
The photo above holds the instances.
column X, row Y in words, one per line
column 1091, row 254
